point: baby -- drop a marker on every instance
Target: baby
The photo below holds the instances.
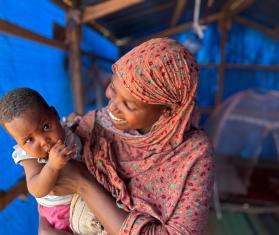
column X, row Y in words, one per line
column 44, row 146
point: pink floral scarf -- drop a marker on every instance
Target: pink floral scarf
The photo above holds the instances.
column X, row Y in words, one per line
column 163, row 178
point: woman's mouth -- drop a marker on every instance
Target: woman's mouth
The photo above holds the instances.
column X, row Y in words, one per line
column 116, row 119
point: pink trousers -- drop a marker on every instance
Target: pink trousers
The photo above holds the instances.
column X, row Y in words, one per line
column 57, row 216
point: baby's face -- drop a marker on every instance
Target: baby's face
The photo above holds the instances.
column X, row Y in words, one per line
column 36, row 131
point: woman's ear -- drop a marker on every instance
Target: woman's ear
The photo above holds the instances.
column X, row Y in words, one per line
column 166, row 110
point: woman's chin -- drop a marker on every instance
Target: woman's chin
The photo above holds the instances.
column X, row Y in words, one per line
column 121, row 125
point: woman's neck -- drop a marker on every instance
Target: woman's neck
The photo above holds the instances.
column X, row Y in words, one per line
column 144, row 130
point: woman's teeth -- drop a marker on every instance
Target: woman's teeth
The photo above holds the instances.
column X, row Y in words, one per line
column 115, row 118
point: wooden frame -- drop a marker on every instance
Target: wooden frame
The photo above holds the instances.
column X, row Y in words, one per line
column 180, row 6
column 274, row 33
column 257, row 67
column 13, row 29
column 107, row 7
column 93, row 25
column 224, row 27
column 110, row 6
column 6, row 197
column 16, row 30
column 73, row 40
column 179, row 28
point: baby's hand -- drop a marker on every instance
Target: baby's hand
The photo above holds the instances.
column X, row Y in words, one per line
column 59, row 155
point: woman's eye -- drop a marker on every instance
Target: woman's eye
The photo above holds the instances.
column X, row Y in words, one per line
column 46, row 126
column 130, row 106
column 112, row 85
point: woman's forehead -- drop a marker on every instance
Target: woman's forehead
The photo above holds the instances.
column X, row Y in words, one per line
column 126, row 94
column 122, row 90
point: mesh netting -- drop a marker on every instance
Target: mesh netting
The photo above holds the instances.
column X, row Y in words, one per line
column 246, row 125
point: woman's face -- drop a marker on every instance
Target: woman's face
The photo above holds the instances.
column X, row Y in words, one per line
column 126, row 112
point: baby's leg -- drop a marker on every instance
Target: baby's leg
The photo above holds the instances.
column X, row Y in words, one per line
column 57, row 216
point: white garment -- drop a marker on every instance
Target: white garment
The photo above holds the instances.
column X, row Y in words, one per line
column 51, row 200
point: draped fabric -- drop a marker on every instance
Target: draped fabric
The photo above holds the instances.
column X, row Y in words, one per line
column 163, row 178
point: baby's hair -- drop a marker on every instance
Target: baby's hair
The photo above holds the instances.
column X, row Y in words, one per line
column 17, row 101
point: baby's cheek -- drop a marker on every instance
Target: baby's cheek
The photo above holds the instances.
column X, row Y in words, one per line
column 58, row 134
column 34, row 151
column 57, row 137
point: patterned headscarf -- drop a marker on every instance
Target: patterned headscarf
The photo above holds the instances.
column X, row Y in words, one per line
column 161, row 71
column 163, row 178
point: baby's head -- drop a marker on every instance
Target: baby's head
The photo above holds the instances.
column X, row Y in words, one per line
column 30, row 121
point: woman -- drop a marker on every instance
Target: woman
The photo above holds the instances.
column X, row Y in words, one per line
column 144, row 148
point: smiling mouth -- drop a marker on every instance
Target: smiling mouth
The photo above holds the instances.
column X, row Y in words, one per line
column 116, row 119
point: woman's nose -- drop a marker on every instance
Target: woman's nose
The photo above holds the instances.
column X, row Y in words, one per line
column 110, row 93
column 112, row 107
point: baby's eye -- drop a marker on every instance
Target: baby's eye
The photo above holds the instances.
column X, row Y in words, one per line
column 28, row 140
column 46, row 126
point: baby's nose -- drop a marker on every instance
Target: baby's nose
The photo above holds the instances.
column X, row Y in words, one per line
column 46, row 145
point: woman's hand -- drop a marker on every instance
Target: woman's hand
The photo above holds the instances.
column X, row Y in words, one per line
column 71, row 178
column 75, row 178
column 73, row 120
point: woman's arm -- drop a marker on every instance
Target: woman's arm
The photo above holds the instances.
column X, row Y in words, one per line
column 189, row 216
column 75, row 178
column 103, row 205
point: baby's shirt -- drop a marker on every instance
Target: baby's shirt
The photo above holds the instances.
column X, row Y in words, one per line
column 51, row 200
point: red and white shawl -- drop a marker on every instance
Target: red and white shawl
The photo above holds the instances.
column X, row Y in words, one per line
column 163, row 178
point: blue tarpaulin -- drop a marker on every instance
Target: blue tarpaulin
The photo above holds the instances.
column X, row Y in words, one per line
column 30, row 64
column 25, row 63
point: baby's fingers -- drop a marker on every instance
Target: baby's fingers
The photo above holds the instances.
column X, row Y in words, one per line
column 68, row 150
column 59, row 145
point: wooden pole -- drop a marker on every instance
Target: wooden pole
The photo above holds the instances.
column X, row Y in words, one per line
column 272, row 32
column 255, row 67
column 223, row 26
column 73, row 40
column 16, row 30
column 92, row 24
column 18, row 189
column 178, row 29
column 231, row 8
column 105, row 8
column 180, row 6
column 249, row 67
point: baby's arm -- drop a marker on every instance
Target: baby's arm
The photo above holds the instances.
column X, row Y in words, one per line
column 41, row 179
